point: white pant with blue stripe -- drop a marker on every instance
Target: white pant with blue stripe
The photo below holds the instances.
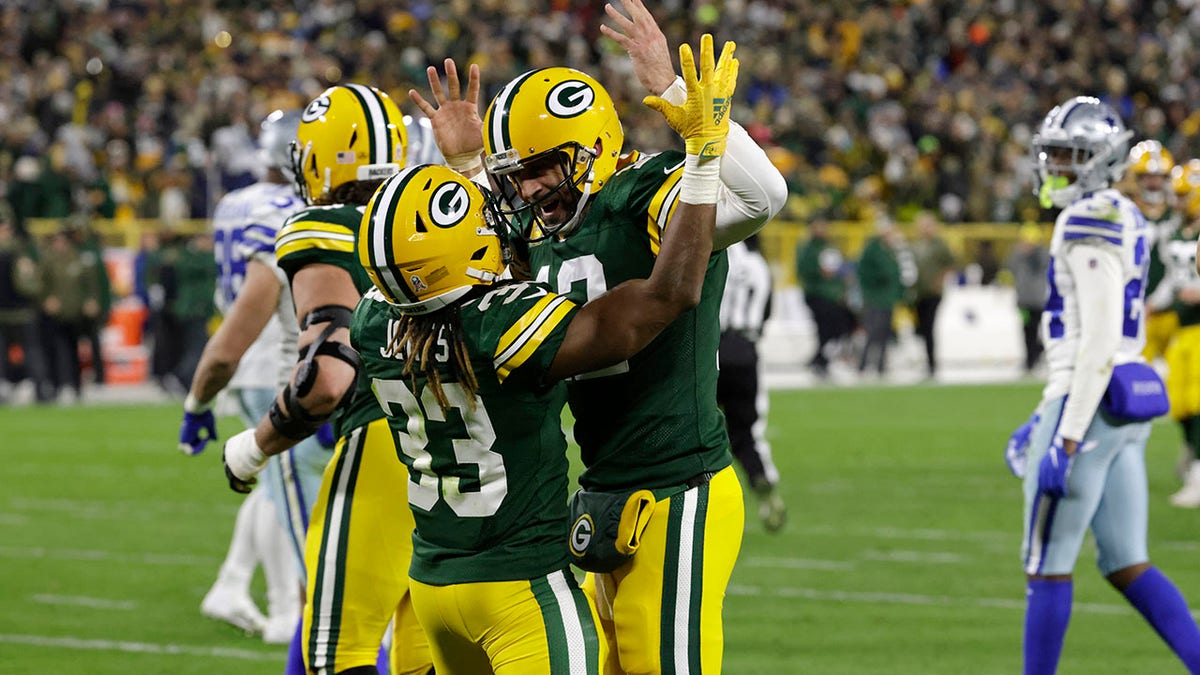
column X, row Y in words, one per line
column 1106, row 491
column 292, row 479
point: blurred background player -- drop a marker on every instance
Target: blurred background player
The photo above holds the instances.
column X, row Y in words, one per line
column 1028, row 262
column 741, row 392
column 351, row 138
column 1087, row 466
column 882, row 286
column 554, row 144
column 252, row 354
column 1151, row 187
column 819, row 265
column 934, row 261
column 1181, row 287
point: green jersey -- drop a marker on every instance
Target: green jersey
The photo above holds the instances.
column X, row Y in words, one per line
column 325, row 235
column 652, row 421
column 1164, row 228
column 488, row 477
column 1179, row 255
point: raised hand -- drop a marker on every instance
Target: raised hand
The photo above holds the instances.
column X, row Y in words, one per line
column 457, row 127
column 645, row 43
column 703, row 120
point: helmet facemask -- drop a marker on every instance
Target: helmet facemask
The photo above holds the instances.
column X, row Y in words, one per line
column 527, row 218
column 1080, row 148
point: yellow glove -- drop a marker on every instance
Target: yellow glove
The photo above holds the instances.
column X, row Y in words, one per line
column 703, row 120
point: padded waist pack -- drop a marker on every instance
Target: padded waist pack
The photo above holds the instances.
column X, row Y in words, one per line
column 1135, row 393
column 607, row 527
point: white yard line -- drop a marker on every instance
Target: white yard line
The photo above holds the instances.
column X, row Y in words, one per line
column 139, row 647
column 798, row 563
column 167, row 559
column 83, row 601
column 921, row 557
column 881, row 598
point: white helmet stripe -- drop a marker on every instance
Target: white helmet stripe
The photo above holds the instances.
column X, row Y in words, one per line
column 379, row 123
column 380, row 225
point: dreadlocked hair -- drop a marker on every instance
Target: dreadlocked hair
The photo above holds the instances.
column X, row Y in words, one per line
column 417, row 339
column 356, row 192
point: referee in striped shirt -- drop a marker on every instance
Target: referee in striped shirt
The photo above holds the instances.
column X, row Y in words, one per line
column 744, row 307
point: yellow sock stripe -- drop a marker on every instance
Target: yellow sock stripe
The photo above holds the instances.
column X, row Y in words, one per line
column 661, row 208
column 520, row 341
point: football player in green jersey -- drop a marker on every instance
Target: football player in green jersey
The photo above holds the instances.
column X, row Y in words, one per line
column 469, row 370
column 359, row 541
column 593, row 214
column 1149, row 176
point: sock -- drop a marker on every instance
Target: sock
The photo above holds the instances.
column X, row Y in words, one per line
column 280, row 569
column 1163, row 606
column 382, row 663
column 1047, row 613
column 240, row 561
column 295, row 659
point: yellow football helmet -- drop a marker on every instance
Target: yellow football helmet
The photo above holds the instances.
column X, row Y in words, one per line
column 349, row 133
column 427, row 237
column 542, row 113
column 1150, row 158
column 1185, row 178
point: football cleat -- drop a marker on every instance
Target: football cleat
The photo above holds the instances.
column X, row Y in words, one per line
column 234, row 608
column 771, row 509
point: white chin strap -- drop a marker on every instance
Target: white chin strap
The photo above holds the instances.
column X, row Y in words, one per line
column 569, row 226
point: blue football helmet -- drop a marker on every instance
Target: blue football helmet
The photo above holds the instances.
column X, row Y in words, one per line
column 1081, row 147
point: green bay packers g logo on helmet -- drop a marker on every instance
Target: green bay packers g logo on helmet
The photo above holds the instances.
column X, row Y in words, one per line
column 449, row 205
column 427, row 238
column 570, row 98
column 315, row 108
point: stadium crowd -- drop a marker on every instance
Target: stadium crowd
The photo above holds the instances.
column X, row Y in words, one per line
column 147, row 107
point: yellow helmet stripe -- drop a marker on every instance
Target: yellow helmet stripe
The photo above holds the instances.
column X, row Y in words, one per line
column 379, row 235
column 376, row 114
column 498, row 115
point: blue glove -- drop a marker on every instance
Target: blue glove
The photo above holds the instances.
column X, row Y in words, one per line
column 1017, row 451
column 1054, row 469
column 196, row 431
column 325, row 436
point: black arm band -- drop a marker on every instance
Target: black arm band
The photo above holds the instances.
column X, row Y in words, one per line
column 298, row 424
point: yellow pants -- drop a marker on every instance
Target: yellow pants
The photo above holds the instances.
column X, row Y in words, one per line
column 356, row 557
column 1183, row 376
column 543, row 626
column 661, row 613
column 1160, row 328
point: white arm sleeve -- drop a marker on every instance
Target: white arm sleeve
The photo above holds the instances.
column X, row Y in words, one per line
column 1098, row 276
column 752, row 189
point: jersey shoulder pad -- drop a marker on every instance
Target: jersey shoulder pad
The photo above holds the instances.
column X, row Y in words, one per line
column 320, row 234
column 515, row 321
column 1102, row 216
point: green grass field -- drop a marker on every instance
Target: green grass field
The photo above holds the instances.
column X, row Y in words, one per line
column 900, row 555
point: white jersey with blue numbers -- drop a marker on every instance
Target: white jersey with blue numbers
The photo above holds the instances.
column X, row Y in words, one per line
column 1112, row 224
column 244, row 226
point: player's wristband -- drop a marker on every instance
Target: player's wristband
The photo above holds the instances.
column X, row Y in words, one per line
column 701, row 181
column 193, row 405
column 467, row 163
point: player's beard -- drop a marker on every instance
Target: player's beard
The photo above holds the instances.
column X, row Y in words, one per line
column 559, row 206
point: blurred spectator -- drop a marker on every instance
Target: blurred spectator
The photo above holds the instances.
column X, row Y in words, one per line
column 91, row 249
column 189, row 277
column 20, row 353
column 819, row 270
column 882, row 287
column 934, row 261
column 987, row 263
column 70, row 297
column 1029, row 263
